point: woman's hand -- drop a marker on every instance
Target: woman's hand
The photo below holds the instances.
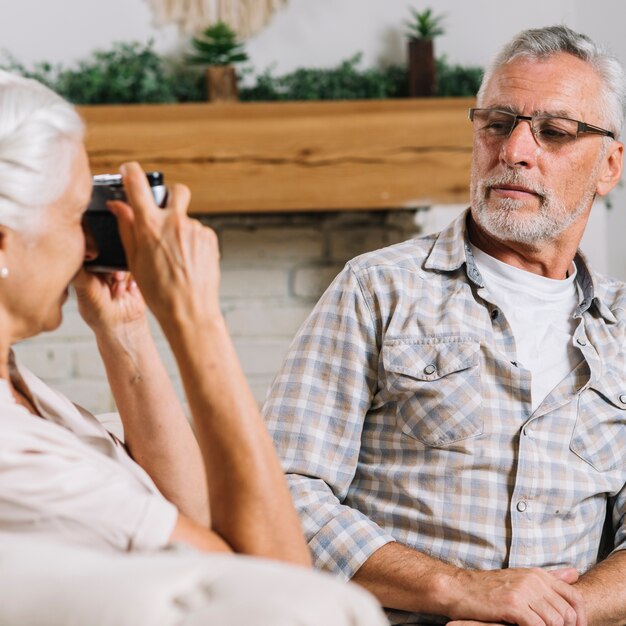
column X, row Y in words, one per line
column 175, row 259
column 109, row 301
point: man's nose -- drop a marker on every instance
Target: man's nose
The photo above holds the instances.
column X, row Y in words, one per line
column 520, row 148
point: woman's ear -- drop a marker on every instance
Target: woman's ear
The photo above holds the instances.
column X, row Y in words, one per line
column 9, row 241
column 611, row 168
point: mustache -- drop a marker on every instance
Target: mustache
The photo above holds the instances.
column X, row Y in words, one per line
column 513, row 177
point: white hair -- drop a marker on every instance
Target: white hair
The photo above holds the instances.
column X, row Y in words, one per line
column 541, row 43
column 39, row 135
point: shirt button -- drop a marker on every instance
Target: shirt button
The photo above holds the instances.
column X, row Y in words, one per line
column 581, row 342
column 521, row 506
column 622, row 398
column 430, row 369
column 494, row 314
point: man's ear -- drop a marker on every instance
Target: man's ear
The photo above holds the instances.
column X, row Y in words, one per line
column 611, row 170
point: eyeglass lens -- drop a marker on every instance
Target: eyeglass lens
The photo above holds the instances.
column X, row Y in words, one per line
column 550, row 132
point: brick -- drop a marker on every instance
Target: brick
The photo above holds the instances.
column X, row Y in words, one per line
column 254, row 283
column 261, row 357
column 95, row 396
column 168, row 359
column 259, row 387
column 48, row 361
column 346, row 244
column 311, row 282
column 271, row 244
column 72, row 326
column 266, row 321
column 88, row 363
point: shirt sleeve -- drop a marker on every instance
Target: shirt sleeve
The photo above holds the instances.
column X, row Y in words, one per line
column 316, row 410
column 619, row 520
column 52, row 485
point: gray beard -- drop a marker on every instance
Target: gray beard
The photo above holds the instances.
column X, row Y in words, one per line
column 506, row 223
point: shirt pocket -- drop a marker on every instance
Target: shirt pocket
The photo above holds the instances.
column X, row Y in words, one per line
column 434, row 383
column 599, row 436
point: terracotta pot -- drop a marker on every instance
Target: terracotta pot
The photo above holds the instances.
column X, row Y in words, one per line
column 221, row 84
column 422, row 69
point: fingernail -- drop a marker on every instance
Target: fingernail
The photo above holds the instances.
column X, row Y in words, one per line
column 123, row 169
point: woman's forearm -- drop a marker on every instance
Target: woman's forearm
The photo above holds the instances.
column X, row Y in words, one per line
column 156, row 431
column 251, row 505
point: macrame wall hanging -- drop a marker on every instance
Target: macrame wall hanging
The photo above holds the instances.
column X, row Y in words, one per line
column 245, row 17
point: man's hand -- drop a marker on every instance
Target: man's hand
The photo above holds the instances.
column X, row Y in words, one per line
column 526, row 597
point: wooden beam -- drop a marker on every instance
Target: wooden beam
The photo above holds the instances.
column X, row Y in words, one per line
column 320, row 156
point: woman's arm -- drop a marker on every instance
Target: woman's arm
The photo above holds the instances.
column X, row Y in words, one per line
column 156, row 431
column 175, row 261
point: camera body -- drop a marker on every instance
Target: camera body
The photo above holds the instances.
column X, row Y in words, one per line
column 101, row 225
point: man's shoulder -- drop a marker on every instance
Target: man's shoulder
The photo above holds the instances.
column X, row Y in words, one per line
column 612, row 292
column 409, row 255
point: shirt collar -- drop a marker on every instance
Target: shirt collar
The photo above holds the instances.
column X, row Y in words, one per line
column 451, row 250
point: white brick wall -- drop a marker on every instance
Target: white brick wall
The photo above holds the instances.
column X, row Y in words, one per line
column 274, row 268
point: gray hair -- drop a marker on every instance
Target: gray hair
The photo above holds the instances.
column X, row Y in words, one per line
column 541, row 43
column 39, row 133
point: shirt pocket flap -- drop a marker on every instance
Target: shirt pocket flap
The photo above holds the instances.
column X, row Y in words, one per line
column 431, row 358
column 599, row 436
column 612, row 388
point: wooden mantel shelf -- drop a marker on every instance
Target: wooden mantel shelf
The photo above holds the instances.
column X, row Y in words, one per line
column 268, row 157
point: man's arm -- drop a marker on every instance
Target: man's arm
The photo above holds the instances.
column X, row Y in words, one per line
column 604, row 591
column 404, row 579
column 175, row 261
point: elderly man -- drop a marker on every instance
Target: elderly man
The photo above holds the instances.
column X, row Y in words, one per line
column 452, row 416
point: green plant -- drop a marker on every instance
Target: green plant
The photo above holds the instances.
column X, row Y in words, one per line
column 344, row 82
column 457, row 80
column 217, row 45
column 424, row 24
column 128, row 73
column 135, row 73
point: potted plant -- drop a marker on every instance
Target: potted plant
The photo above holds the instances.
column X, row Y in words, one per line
column 421, row 30
column 218, row 49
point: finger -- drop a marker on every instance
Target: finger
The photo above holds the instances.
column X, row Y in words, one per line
column 567, row 574
column 138, row 191
column 125, row 224
column 82, row 279
column 574, row 599
column 178, row 198
column 554, row 610
column 119, row 276
column 464, row 622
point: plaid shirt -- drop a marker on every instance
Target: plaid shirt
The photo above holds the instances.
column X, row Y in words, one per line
column 401, row 414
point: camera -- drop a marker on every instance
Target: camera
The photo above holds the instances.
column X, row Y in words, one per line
column 101, row 225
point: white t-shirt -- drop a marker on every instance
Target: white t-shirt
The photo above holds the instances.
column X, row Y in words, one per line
column 65, row 478
column 540, row 311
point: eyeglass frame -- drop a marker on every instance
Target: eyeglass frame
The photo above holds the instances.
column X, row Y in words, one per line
column 582, row 128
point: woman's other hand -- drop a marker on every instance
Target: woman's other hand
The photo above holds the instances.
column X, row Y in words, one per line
column 174, row 259
column 108, row 301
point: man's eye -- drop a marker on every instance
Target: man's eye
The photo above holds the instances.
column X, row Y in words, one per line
column 555, row 133
column 498, row 126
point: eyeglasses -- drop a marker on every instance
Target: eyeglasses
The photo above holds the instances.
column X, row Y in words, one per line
column 550, row 132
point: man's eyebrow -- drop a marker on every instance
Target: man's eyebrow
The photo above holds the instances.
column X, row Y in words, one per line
column 559, row 113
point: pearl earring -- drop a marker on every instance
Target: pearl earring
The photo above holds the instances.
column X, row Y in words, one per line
column 4, row 272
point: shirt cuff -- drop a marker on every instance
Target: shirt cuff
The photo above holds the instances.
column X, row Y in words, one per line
column 348, row 540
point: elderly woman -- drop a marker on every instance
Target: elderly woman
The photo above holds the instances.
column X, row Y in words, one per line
column 66, row 480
